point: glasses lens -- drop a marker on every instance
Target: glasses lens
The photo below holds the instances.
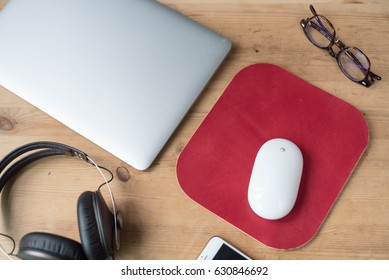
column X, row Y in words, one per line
column 354, row 63
column 320, row 31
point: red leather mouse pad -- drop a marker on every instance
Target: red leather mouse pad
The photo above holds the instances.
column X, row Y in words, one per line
column 262, row 102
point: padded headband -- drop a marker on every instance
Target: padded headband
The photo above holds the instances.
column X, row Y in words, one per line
column 47, row 149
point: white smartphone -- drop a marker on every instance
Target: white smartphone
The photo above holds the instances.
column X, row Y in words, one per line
column 219, row 249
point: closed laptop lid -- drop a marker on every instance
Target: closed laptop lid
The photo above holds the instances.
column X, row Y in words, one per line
column 122, row 73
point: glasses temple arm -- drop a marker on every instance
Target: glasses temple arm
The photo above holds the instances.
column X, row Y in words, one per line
column 312, row 10
column 374, row 76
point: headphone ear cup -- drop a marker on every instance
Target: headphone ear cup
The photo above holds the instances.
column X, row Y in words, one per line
column 96, row 224
column 46, row 246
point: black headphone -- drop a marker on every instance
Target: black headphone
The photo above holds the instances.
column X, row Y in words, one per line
column 98, row 226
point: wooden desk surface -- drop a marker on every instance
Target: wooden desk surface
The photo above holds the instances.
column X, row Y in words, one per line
column 160, row 221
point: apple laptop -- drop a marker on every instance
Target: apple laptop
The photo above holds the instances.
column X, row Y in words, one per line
column 122, row 73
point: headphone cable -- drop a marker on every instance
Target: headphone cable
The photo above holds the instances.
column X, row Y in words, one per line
column 114, row 210
column 13, row 246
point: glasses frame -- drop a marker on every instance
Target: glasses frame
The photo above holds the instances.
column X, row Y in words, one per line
column 369, row 78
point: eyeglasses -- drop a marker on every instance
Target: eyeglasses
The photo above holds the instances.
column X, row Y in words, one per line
column 351, row 60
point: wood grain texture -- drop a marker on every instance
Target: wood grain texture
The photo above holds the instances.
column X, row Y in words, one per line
column 160, row 221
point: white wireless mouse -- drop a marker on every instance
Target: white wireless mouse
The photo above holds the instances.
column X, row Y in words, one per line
column 275, row 179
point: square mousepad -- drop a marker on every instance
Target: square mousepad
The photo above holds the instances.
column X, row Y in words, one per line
column 262, row 102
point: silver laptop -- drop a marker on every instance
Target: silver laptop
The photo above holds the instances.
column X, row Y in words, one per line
column 122, row 73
